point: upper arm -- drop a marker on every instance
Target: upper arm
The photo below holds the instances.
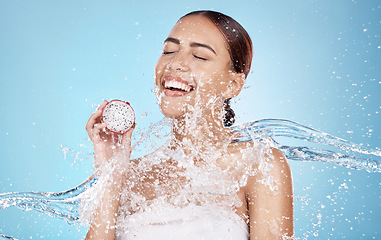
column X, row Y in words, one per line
column 270, row 200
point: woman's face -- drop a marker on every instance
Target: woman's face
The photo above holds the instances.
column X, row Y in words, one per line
column 194, row 68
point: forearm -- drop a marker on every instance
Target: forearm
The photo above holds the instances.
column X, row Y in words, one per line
column 103, row 223
column 111, row 155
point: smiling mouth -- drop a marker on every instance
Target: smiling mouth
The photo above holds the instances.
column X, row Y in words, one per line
column 176, row 87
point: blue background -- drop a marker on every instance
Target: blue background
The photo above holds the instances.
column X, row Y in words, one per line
column 315, row 62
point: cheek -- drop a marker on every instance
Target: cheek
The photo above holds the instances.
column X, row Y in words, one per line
column 159, row 69
column 214, row 84
column 159, row 65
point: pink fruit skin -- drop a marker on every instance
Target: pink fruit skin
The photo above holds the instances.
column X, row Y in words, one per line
column 115, row 100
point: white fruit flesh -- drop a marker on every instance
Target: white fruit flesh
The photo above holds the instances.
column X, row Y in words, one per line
column 118, row 116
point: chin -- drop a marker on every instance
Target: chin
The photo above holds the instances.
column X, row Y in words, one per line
column 173, row 111
column 174, row 107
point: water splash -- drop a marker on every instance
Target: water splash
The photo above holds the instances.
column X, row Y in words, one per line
column 65, row 204
column 61, row 204
column 278, row 128
column 2, row 236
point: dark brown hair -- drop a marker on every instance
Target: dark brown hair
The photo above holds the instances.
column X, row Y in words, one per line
column 239, row 46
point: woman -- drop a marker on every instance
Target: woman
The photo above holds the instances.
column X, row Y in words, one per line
column 202, row 184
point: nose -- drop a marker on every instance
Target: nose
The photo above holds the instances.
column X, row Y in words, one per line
column 178, row 63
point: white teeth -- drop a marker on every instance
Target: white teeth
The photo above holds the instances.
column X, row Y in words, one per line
column 178, row 85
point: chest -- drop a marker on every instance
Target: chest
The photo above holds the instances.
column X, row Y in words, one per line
column 179, row 184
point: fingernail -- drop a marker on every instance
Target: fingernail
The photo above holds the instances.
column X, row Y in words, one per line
column 133, row 126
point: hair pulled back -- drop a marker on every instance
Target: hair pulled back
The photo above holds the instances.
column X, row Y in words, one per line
column 239, row 46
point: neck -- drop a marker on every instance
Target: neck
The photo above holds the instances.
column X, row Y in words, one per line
column 202, row 131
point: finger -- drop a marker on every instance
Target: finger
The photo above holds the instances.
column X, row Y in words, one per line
column 100, row 108
column 115, row 139
column 98, row 128
column 95, row 118
column 91, row 122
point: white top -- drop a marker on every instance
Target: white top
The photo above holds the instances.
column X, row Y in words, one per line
column 191, row 222
column 200, row 206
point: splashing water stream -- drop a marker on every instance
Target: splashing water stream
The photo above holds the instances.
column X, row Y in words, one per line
column 322, row 147
column 274, row 128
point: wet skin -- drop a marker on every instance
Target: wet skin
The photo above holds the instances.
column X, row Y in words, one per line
column 193, row 76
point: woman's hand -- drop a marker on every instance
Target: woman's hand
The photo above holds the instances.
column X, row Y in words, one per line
column 106, row 144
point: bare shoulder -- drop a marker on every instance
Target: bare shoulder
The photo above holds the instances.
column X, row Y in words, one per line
column 269, row 194
column 280, row 165
column 276, row 157
column 275, row 175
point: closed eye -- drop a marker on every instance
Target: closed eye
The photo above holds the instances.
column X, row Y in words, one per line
column 166, row 53
column 201, row 58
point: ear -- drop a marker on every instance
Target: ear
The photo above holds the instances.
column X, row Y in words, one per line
column 237, row 81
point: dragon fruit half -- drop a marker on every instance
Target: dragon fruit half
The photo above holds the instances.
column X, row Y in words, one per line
column 118, row 116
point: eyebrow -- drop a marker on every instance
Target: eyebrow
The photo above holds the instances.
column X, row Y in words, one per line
column 192, row 44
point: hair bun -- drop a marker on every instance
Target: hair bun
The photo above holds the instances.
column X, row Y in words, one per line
column 229, row 115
